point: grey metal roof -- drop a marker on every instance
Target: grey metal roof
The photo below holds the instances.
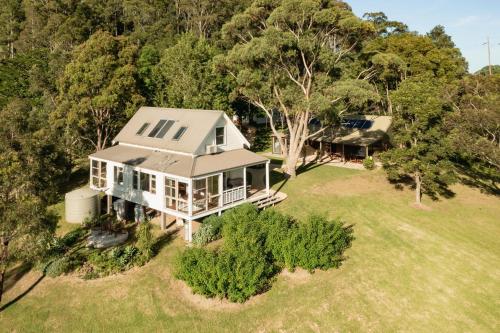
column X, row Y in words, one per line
column 198, row 123
column 178, row 164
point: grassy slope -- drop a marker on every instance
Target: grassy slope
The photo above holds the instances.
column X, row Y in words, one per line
column 408, row 269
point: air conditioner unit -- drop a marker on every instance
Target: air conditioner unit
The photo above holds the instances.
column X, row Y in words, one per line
column 212, row 149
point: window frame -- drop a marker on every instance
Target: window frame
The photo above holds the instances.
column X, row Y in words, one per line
column 219, row 135
column 98, row 173
column 118, row 178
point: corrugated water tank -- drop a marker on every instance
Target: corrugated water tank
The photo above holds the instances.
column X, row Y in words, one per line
column 80, row 203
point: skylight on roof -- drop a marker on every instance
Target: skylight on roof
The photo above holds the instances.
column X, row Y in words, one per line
column 164, row 129
column 161, row 128
column 157, row 128
column 179, row 133
column 142, row 129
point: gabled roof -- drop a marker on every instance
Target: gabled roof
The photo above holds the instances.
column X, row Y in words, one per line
column 177, row 164
column 199, row 123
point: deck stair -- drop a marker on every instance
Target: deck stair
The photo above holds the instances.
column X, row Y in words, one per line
column 271, row 200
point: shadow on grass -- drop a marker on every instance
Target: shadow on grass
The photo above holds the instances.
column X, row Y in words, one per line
column 15, row 274
column 165, row 239
column 24, row 293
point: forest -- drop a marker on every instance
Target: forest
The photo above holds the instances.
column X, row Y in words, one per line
column 73, row 72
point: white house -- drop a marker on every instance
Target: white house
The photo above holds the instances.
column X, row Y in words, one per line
column 181, row 162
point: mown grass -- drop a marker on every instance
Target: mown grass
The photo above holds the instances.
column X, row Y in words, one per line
column 408, row 270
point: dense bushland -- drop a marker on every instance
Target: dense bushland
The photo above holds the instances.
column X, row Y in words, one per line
column 255, row 247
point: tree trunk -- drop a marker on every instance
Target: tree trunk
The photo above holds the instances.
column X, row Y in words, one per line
column 291, row 165
column 418, row 189
column 3, row 264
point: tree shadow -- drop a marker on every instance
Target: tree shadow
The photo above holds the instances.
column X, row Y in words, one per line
column 311, row 165
column 486, row 182
column 15, row 274
column 26, row 292
column 165, row 239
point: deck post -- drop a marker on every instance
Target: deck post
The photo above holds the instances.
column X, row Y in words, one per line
column 366, row 151
column 343, row 154
column 221, row 189
column 244, row 183
column 188, row 231
column 163, row 221
column 179, row 221
column 109, row 202
column 267, row 177
column 190, row 197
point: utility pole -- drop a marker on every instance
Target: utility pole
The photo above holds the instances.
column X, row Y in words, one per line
column 489, row 54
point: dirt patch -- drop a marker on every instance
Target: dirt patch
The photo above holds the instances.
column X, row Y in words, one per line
column 299, row 276
column 205, row 303
column 421, row 207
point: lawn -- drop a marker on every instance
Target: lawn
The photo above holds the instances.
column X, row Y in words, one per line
column 408, row 270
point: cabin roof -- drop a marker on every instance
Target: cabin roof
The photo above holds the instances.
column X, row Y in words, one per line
column 358, row 136
column 178, row 164
column 197, row 123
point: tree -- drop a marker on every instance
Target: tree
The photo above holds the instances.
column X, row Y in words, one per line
column 98, row 89
column 288, row 57
column 440, row 38
column 495, row 69
column 383, row 25
column 185, row 76
column 24, row 222
column 475, row 127
column 11, row 16
column 421, row 151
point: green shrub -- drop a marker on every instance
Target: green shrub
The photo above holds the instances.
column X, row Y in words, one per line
column 210, row 230
column 253, row 244
column 59, row 266
column 368, row 163
column 145, row 241
column 240, row 269
column 278, row 228
column 320, row 243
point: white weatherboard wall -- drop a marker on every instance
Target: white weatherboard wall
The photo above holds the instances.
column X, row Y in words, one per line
column 145, row 198
column 233, row 138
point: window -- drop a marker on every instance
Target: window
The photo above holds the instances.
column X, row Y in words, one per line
column 179, row 133
column 135, row 182
column 144, row 181
column 152, row 184
column 220, row 135
column 157, row 128
column 164, row 129
column 142, row 129
column 118, row 175
column 170, row 193
column 98, row 173
column 176, row 195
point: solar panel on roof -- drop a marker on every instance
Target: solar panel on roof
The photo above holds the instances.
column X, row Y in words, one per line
column 164, row 129
column 157, row 128
column 367, row 124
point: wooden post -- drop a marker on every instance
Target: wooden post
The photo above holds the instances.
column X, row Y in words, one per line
column 267, row 177
column 190, row 197
column 244, row 183
column 343, row 156
column 163, row 221
column 366, row 151
column 109, row 201
column 221, row 189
